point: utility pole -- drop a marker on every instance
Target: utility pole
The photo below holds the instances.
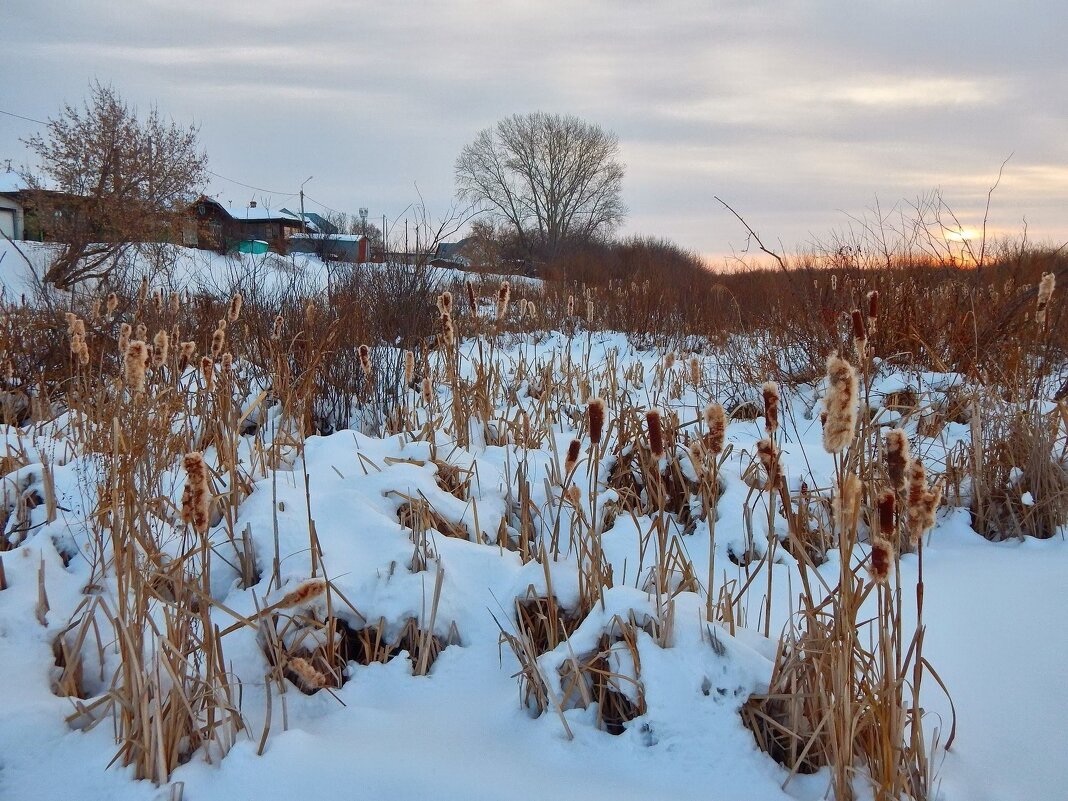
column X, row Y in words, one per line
column 303, row 219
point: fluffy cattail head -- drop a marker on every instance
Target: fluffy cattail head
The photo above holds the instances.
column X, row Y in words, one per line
column 142, row 292
column 428, row 391
column 303, row 594
column 882, row 560
column 768, row 455
column 175, row 302
column 887, row 510
column 97, row 304
column 655, row 427
column 873, row 307
column 716, row 422
column 161, row 351
column 504, row 294
column 276, row 332
column 111, row 303
column 308, row 677
column 365, row 360
column 532, row 311
column 157, row 300
column 695, row 371
column 124, row 338
column 572, row 457
column 189, row 350
column 235, row 307
column 771, row 407
column 196, row 497
column 897, row 457
column 840, row 404
column 846, row 503
column 207, row 370
column 522, row 308
column 134, row 365
column 218, row 341
column 141, row 332
column 570, row 305
column 226, row 363
column 409, row 368
column 1045, row 293
column 471, row 297
column 70, row 318
column 669, row 360
column 595, row 418
column 448, row 332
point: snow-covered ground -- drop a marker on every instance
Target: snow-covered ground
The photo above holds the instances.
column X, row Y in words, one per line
column 994, row 616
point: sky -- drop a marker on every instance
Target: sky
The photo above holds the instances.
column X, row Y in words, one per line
column 802, row 115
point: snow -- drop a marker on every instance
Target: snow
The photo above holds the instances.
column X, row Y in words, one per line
column 994, row 615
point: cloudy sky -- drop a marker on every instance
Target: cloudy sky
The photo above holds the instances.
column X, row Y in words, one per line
column 799, row 114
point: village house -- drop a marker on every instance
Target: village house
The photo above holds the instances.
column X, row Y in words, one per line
column 12, row 206
column 251, row 228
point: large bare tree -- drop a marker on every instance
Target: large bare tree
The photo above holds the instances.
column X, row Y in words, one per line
column 109, row 178
column 553, row 178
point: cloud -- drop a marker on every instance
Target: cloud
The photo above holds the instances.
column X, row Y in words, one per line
column 794, row 110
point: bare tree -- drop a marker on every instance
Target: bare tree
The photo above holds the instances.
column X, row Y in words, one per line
column 552, row 178
column 111, row 179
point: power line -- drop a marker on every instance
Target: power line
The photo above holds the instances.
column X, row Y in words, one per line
column 250, row 186
column 20, row 117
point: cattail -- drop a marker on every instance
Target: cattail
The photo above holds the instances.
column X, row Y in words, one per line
column 696, row 452
column 716, row 423
column 161, row 351
column 141, row 331
column 882, row 558
column 276, row 333
column 70, row 317
column 175, row 302
column 134, row 365
column 235, row 307
column 76, row 342
column 532, row 311
column 111, row 303
column 97, row 303
column 897, row 457
column 189, row 350
column 303, row 593
column 409, row 368
column 860, row 335
column 471, row 297
column 595, row 418
column 655, row 427
column 142, row 292
column 157, row 300
column 846, row 503
column 447, row 331
column 428, row 390
column 504, row 294
column 768, row 455
column 218, row 341
column 669, row 361
column 222, row 324
column 227, row 362
column 1045, row 292
column 522, row 308
column 572, row 457
column 309, row 677
column 207, row 370
column 573, row 495
column 840, row 404
column 570, row 305
column 196, row 497
column 444, row 302
column 873, row 309
column 365, row 360
column 124, row 338
column 887, row 510
column 83, row 354
column 917, row 492
column 771, row 408
column 695, row 371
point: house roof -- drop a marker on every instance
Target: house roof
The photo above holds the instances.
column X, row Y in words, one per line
column 10, row 183
column 451, row 250
column 243, row 212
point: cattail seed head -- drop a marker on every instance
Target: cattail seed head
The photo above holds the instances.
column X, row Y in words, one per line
column 304, row 593
column 882, row 559
column 70, row 318
column 142, row 292
column 448, row 332
column 227, row 362
column 189, row 350
column 134, row 365
column 218, row 342
column 111, row 303
column 595, row 419
column 196, row 497
column 873, row 308
column 504, row 294
column 716, row 423
column 124, row 338
column 532, row 310
column 276, row 332
column 572, row 457
column 175, row 302
column 768, row 455
column 222, row 324
column 860, row 333
column 846, row 503
column 1045, row 293
column 365, row 360
column 695, row 371
column 157, row 300
column 897, row 457
column 471, row 297
column 655, row 427
column 207, row 370
column 234, row 311
column 308, row 676
column 570, row 305
column 161, row 350
column 97, row 305
column 141, row 332
column 771, row 407
column 522, row 308
column 409, row 368
column 840, row 404
column 669, row 361
column 428, row 391
column 76, row 342
column 887, row 513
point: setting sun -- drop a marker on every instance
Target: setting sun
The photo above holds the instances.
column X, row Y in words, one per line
column 962, row 234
